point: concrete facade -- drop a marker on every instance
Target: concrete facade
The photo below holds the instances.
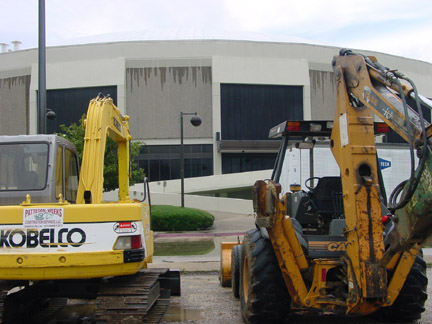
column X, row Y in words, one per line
column 156, row 80
column 14, row 105
column 157, row 95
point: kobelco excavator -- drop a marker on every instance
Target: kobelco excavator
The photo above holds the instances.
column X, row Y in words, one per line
column 59, row 239
column 339, row 247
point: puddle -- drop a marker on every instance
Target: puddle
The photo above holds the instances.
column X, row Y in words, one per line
column 178, row 314
column 75, row 313
column 201, row 247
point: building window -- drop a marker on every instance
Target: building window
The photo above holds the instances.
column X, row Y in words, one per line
column 249, row 111
column 243, row 162
column 162, row 162
column 70, row 104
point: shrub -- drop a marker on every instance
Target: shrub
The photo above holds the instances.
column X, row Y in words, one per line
column 171, row 218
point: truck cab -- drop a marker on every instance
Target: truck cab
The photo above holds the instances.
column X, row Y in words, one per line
column 44, row 166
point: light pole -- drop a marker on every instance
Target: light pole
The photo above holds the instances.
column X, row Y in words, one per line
column 195, row 121
column 42, row 71
column 43, row 111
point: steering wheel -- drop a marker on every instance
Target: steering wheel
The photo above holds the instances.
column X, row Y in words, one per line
column 309, row 180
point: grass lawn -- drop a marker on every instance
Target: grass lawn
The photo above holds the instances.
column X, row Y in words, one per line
column 172, row 218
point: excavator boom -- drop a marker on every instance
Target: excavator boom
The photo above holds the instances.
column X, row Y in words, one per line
column 103, row 119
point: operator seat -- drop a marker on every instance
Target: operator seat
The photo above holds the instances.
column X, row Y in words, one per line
column 326, row 197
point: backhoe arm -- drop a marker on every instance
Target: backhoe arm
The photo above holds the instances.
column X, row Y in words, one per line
column 364, row 86
column 103, row 119
column 371, row 86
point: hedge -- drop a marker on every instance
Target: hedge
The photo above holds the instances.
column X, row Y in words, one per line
column 171, row 218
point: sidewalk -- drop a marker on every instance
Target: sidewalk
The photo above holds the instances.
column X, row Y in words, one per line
column 227, row 227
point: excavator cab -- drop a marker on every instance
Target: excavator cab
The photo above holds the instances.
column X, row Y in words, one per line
column 44, row 166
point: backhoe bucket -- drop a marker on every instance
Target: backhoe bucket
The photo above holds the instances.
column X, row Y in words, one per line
column 225, row 264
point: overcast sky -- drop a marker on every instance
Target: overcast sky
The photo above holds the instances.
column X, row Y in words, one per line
column 390, row 26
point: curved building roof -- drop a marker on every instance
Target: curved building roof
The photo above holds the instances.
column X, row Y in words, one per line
column 183, row 34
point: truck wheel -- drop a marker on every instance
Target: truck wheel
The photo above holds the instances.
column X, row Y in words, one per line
column 409, row 305
column 264, row 297
column 235, row 269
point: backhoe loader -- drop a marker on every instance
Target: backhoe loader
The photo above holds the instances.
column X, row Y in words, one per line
column 339, row 247
column 59, row 239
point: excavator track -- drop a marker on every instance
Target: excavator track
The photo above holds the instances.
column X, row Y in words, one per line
column 132, row 299
column 24, row 305
column 140, row 298
column 5, row 286
column 52, row 307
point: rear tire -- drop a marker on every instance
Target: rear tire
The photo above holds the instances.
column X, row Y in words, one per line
column 409, row 305
column 264, row 297
column 235, row 269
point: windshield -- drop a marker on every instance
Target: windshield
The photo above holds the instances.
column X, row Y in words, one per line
column 23, row 166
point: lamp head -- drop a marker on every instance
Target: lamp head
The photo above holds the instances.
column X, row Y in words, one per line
column 50, row 114
column 196, row 120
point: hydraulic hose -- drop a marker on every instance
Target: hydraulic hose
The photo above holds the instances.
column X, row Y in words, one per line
column 414, row 179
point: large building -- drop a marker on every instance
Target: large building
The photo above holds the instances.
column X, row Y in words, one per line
column 240, row 88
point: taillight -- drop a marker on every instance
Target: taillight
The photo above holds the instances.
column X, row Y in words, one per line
column 136, row 242
column 382, row 128
column 128, row 242
column 385, row 219
column 293, row 126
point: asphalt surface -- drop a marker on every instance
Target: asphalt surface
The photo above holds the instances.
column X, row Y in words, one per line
column 204, row 301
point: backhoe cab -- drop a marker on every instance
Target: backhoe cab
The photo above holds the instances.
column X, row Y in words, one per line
column 339, row 246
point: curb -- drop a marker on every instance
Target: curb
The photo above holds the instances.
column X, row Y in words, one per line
column 182, row 235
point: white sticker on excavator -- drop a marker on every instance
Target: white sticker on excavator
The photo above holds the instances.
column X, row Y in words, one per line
column 125, row 227
column 343, row 126
column 43, row 217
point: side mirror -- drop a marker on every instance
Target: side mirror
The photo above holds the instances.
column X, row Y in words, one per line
column 147, row 192
column 146, row 186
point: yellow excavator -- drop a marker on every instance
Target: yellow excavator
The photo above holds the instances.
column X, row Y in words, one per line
column 59, row 239
column 340, row 247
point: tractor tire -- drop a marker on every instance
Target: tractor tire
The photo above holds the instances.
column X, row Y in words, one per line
column 410, row 303
column 264, row 297
column 235, row 270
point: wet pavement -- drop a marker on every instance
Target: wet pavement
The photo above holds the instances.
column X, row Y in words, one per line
column 203, row 300
column 227, row 228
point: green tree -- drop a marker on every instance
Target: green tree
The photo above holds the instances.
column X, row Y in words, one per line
column 75, row 134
